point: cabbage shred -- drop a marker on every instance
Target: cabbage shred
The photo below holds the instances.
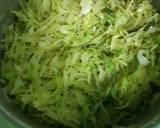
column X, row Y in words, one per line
column 82, row 63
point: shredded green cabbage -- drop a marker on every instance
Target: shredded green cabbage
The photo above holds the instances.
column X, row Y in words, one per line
column 82, row 63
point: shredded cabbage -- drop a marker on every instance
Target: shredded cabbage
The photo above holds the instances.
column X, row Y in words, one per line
column 82, row 63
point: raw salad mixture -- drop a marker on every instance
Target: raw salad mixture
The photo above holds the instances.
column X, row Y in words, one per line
column 82, row 63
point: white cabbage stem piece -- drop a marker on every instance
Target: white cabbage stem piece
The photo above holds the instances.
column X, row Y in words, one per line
column 141, row 58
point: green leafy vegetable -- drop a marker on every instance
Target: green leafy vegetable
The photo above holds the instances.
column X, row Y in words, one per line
column 82, row 63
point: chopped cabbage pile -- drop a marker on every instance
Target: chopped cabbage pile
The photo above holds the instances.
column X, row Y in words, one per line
column 82, row 63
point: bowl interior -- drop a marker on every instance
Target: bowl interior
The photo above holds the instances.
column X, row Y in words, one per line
column 12, row 116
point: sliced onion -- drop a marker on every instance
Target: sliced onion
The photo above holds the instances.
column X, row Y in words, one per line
column 141, row 58
column 152, row 29
column 85, row 7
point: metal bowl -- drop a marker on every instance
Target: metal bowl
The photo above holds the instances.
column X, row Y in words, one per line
column 11, row 116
